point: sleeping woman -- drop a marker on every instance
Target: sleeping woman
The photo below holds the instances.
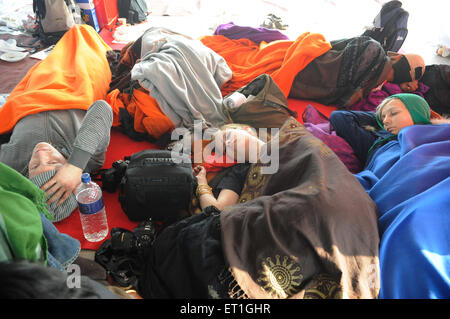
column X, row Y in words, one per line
column 228, row 189
column 59, row 123
column 367, row 131
column 53, row 149
column 293, row 233
column 407, row 176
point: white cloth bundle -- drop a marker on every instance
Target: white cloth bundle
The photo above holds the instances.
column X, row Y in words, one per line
column 234, row 100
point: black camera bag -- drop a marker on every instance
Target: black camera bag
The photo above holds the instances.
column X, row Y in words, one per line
column 158, row 186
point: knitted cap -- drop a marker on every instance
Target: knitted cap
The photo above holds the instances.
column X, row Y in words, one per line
column 59, row 212
column 416, row 105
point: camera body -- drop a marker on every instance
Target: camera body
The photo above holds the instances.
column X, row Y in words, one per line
column 111, row 177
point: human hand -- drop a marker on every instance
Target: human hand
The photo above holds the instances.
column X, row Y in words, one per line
column 200, row 173
column 65, row 181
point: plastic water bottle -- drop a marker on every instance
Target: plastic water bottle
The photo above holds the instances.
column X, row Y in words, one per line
column 92, row 209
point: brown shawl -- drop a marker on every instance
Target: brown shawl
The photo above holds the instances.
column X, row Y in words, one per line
column 308, row 231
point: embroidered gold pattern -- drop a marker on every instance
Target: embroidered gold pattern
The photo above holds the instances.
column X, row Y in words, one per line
column 281, row 278
column 324, row 287
column 255, row 181
column 254, row 177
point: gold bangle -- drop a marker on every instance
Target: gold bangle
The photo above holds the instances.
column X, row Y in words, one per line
column 203, row 189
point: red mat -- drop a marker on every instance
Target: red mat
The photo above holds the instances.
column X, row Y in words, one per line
column 120, row 146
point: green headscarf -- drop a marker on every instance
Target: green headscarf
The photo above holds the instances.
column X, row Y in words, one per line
column 21, row 203
column 416, row 106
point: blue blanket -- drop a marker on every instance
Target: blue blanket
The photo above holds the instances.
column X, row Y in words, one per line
column 409, row 180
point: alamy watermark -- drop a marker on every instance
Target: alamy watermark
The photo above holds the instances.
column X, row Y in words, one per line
column 238, row 147
column 73, row 276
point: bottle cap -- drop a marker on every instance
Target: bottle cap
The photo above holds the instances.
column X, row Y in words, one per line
column 85, row 178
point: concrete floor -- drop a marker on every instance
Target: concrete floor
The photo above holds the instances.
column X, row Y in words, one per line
column 335, row 19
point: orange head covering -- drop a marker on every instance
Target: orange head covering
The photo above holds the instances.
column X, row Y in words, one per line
column 409, row 68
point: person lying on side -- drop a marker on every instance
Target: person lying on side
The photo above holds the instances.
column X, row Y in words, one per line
column 352, row 69
column 295, row 233
column 407, row 176
column 53, row 149
column 367, row 131
column 229, row 188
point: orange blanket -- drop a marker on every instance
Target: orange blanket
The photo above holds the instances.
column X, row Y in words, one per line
column 148, row 117
column 74, row 75
column 281, row 59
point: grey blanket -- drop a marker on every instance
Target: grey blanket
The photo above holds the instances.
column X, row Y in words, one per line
column 184, row 76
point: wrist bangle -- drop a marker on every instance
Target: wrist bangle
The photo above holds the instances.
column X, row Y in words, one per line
column 204, row 193
column 203, row 189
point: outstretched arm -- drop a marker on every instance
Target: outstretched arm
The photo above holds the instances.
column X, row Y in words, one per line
column 226, row 196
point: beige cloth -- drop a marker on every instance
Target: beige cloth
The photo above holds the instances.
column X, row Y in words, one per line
column 415, row 61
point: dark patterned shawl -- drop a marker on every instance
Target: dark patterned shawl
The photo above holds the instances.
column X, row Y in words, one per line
column 307, row 231
column 344, row 74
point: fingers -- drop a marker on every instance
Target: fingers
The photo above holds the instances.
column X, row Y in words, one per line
column 64, row 198
column 50, row 183
column 53, row 196
column 55, row 191
column 202, row 171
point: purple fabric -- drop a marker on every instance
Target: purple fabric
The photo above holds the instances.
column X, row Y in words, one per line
column 319, row 126
column 257, row 35
column 376, row 97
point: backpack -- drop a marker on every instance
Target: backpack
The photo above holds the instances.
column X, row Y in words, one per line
column 54, row 18
column 134, row 11
column 157, row 186
column 390, row 26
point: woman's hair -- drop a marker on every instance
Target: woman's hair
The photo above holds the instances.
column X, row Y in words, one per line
column 380, row 108
column 235, row 126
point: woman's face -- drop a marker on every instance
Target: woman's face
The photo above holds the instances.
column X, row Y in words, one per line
column 45, row 158
column 244, row 143
column 395, row 116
